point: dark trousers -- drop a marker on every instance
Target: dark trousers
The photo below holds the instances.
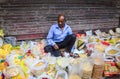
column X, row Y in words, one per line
column 67, row 43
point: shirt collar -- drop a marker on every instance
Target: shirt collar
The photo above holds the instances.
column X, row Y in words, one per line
column 64, row 27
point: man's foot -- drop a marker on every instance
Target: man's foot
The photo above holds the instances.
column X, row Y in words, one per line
column 71, row 54
column 76, row 55
column 63, row 54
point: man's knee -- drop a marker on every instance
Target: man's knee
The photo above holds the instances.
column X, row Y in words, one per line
column 48, row 48
column 73, row 36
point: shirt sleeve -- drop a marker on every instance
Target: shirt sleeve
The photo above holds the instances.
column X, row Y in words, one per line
column 70, row 30
column 50, row 36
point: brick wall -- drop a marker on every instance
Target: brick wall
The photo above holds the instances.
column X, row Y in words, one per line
column 118, row 9
column 31, row 19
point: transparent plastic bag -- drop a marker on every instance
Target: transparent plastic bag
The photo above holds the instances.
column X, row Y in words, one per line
column 24, row 47
column 10, row 40
column 10, row 58
column 86, row 68
column 35, row 50
column 74, row 76
column 38, row 67
column 61, row 74
column 1, row 41
column 63, row 62
column 98, row 67
column 98, row 32
column 14, row 71
column 74, row 68
column 111, row 51
column 89, row 33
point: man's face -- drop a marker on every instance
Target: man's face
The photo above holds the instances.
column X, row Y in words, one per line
column 61, row 21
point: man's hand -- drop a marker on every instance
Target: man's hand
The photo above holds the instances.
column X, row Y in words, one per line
column 56, row 46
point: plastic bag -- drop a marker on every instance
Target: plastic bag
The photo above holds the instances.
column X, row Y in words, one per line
column 74, row 68
column 10, row 59
column 86, row 68
column 35, row 50
column 14, row 72
column 89, row 33
column 24, row 47
column 117, row 46
column 111, row 69
column 98, row 67
column 98, row 33
column 99, row 48
column 63, row 62
column 74, row 76
column 117, row 30
column 1, row 41
column 91, row 46
column 111, row 51
column 38, row 67
column 61, row 74
column 10, row 40
column 44, row 42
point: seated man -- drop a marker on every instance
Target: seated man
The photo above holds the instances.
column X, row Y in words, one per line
column 60, row 36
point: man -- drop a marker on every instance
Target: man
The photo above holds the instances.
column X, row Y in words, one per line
column 60, row 36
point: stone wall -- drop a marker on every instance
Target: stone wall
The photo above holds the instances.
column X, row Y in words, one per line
column 31, row 19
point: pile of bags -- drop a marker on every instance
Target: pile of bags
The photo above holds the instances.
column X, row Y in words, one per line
column 98, row 54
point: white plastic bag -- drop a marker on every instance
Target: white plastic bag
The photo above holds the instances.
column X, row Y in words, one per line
column 38, row 67
column 10, row 58
column 11, row 40
column 63, row 62
column 89, row 33
column 86, row 68
column 98, row 33
column 24, row 47
column 112, row 51
column 35, row 50
column 61, row 74
column 13, row 71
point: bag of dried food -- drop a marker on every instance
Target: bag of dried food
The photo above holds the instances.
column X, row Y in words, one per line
column 14, row 72
column 74, row 76
column 117, row 60
column 74, row 67
column 111, row 51
column 98, row 67
column 86, row 67
column 111, row 69
column 117, row 46
column 38, row 67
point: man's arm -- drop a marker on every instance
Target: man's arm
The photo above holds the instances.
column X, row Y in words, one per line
column 70, row 30
column 50, row 37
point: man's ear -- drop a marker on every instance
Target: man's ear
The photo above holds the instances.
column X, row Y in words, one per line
column 65, row 19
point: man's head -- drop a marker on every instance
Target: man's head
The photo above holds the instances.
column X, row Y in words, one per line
column 61, row 20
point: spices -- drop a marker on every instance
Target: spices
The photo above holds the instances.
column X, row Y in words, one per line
column 119, row 58
column 87, row 71
column 118, row 46
column 98, row 68
column 74, row 76
column 112, row 51
column 97, row 71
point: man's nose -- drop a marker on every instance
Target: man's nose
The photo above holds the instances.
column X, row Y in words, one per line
column 60, row 23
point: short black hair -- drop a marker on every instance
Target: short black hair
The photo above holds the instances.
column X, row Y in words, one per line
column 60, row 16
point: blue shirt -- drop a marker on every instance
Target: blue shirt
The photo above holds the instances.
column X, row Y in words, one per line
column 56, row 34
